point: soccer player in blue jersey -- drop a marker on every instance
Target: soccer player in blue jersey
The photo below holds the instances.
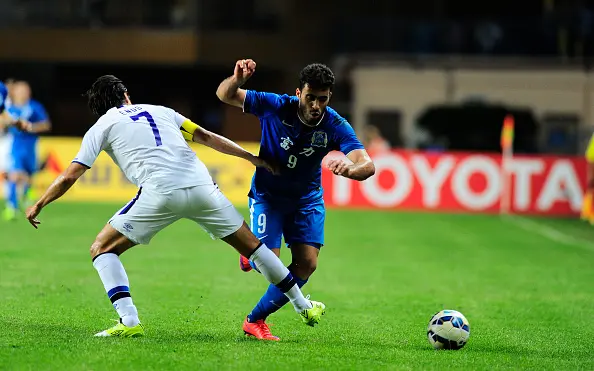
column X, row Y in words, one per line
column 297, row 132
column 23, row 155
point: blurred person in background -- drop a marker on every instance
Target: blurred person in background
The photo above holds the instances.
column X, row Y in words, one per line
column 23, row 155
column 374, row 141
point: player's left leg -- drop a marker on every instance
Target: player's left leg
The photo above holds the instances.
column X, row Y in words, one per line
column 266, row 223
column 30, row 168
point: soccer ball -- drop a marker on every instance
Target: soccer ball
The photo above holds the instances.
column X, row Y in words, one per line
column 448, row 329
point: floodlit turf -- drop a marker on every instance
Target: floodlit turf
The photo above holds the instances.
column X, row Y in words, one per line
column 529, row 298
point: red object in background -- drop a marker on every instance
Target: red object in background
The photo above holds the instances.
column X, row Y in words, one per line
column 463, row 182
column 507, row 133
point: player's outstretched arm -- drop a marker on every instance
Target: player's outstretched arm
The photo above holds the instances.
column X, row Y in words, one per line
column 361, row 168
column 219, row 143
column 56, row 190
column 38, row 128
column 229, row 90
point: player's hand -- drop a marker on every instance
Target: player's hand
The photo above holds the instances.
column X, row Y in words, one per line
column 32, row 214
column 339, row 167
column 260, row 162
column 22, row 125
column 244, row 69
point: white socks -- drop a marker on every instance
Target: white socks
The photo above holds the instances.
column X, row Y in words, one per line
column 276, row 273
column 114, row 278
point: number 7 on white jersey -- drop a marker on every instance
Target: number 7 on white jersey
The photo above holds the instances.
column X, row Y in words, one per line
column 152, row 123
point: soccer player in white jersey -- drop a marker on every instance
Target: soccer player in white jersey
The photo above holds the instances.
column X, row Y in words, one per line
column 149, row 144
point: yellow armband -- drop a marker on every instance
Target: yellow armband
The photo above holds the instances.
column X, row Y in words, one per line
column 188, row 128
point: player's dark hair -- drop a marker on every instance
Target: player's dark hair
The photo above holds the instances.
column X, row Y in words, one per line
column 105, row 93
column 318, row 76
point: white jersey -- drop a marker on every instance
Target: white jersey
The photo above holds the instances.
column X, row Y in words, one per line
column 145, row 141
column 5, row 147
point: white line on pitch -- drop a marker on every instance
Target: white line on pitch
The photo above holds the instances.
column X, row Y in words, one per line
column 549, row 232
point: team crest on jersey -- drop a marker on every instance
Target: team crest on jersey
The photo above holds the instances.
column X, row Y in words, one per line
column 319, row 139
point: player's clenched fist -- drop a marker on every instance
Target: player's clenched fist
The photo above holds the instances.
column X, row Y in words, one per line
column 339, row 167
column 244, row 69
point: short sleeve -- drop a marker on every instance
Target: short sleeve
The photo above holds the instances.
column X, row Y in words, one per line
column 179, row 119
column 260, row 103
column 92, row 145
column 39, row 113
column 346, row 138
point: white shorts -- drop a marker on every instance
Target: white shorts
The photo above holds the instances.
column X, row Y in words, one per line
column 5, row 143
column 150, row 212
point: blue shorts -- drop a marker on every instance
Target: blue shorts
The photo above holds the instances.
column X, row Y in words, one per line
column 25, row 162
column 298, row 223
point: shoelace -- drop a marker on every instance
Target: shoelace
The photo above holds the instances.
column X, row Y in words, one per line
column 264, row 328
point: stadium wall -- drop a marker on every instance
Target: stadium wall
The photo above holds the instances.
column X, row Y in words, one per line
column 410, row 90
column 404, row 180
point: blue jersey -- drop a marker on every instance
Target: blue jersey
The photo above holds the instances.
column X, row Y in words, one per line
column 32, row 112
column 297, row 148
column 3, row 97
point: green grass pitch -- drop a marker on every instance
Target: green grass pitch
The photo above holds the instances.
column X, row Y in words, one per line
column 529, row 296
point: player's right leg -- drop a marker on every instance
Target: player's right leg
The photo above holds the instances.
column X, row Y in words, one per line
column 27, row 193
column 271, row 267
column 208, row 207
column 105, row 253
column 16, row 179
column 136, row 223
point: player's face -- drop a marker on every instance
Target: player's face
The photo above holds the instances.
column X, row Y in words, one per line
column 20, row 92
column 312, row 103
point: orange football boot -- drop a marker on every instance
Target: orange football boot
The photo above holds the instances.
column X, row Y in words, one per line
column 259, row 330
column 244, row 264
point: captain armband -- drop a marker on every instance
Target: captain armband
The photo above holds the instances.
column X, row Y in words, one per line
column 188, row 128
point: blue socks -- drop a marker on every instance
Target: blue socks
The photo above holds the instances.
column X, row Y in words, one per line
column 13, row 196
column 273, row 300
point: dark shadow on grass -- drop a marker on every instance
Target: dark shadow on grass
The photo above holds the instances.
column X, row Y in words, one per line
column 499, row 349
column 250, row 339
